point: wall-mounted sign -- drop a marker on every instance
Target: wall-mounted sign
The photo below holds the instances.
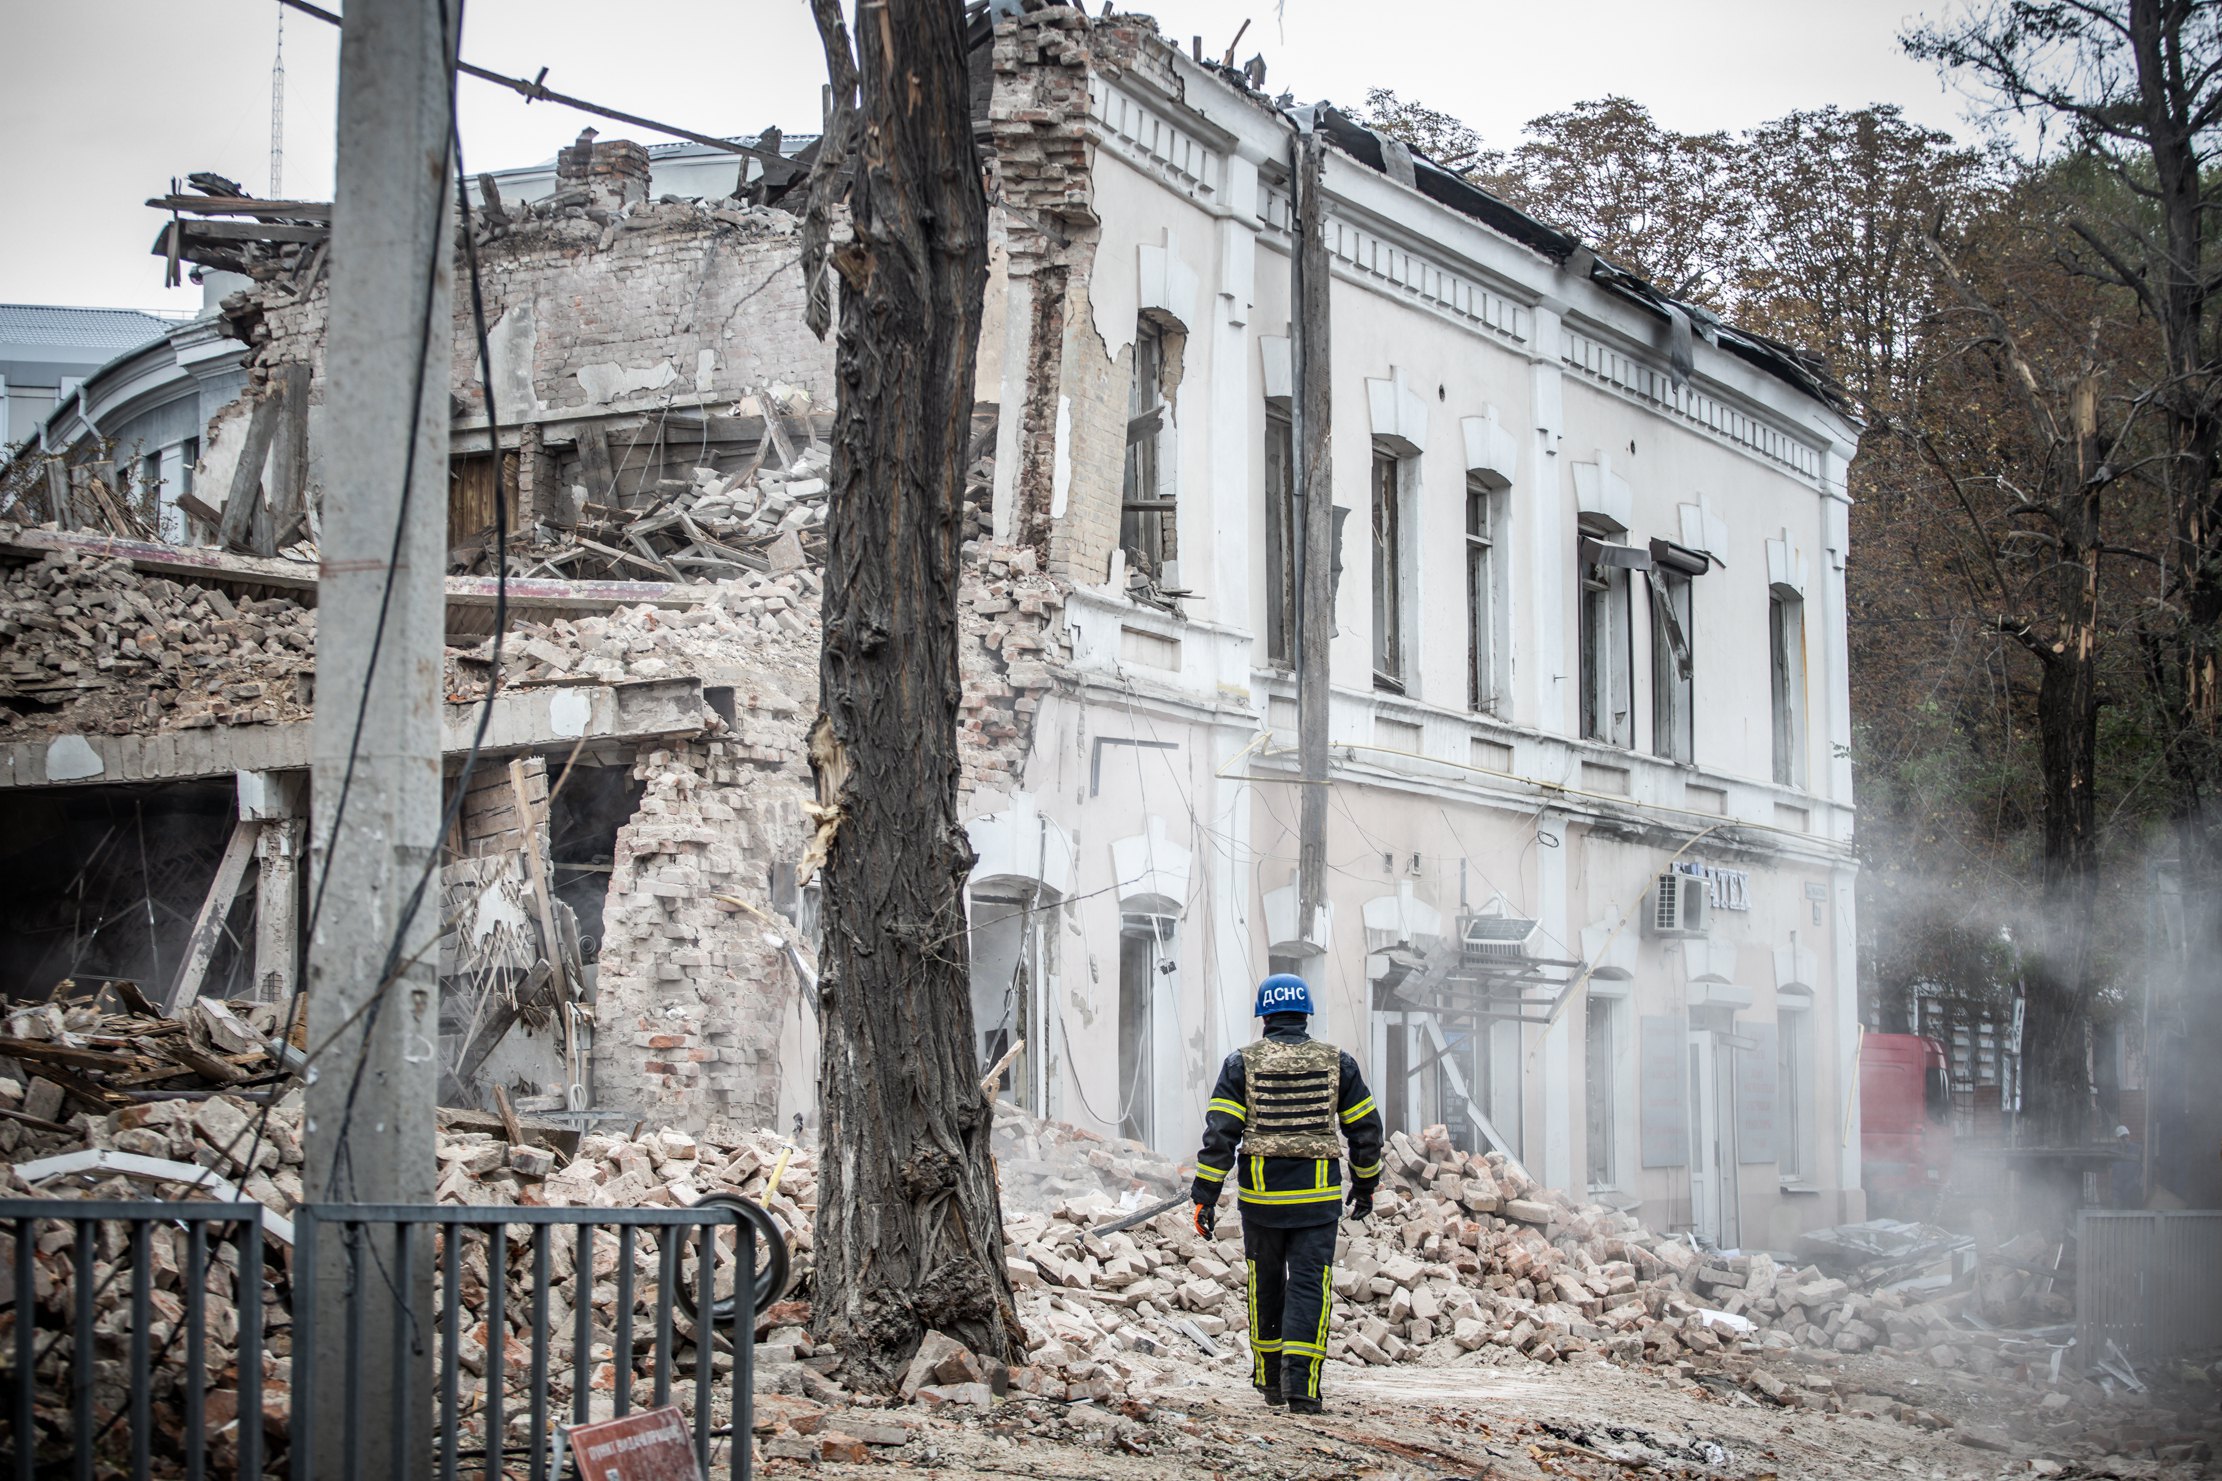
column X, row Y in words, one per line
column 1725, row 889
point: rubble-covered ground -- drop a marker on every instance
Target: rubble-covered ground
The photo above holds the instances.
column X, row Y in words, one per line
column 1483, row 1325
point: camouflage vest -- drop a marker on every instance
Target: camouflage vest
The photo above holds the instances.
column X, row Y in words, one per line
column 1289, row 1096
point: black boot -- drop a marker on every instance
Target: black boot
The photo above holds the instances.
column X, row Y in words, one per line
column 1270, row 1389
column 1298, row 1404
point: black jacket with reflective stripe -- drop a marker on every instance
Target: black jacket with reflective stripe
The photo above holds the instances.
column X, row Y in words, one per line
column 1287, row 1192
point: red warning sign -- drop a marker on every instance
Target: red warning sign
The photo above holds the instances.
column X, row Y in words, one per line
column 653, row 1445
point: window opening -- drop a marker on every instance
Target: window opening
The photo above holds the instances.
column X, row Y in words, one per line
column 1481, row 596
column 1672, row 717
column 1388, row 573
column 1602, row 1091
column 1608, row 702
column 1145, row 956
column 1147, row 530
column 1283, row 529
column 1786, row 653
column 1794, row 1091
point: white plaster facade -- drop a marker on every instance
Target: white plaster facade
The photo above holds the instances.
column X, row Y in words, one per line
column 1167, row 753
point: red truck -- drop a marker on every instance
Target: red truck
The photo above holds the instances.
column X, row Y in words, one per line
column 1905, row 1131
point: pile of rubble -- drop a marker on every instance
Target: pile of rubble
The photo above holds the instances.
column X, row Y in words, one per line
column 105, row 647
column 769, row 620
column 1042, row 1164
column 712, row 525
column 1466, row 1261
column 99, row 1052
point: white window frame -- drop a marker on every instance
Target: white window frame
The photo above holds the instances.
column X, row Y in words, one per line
column 1157, row 937
column 1393, row 599
column 1620, row 1091
column 1797, row 1113
column 1284, row 531
column 1786, row 684
column 1486, row 615
column 1605, row 653
column 1673, row 686
column 1147, row 488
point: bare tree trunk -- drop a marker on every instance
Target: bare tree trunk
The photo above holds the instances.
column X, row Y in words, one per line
column 2057, row 981
column 910, row 1232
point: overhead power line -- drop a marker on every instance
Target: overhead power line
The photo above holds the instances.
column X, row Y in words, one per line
column 532, row 90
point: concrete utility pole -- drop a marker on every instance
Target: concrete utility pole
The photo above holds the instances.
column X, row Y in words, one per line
column 1315, row 605
column 388, row 352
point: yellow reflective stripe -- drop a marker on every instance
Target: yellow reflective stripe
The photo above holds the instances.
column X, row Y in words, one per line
column 1304, row 1349
column 1319, row 1173
column 1231, row 1107
column 1259, row 1347
column 1297, row 1195
column 1327, row 1302
column 1371, row 1171
column 1211, row 1174
column 1357, row 1110
column 1257, row 1172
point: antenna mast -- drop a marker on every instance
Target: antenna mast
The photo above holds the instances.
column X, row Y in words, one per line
column 277, row 115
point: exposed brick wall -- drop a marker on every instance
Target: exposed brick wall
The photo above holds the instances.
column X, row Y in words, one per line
column 631, row 299
column 1043, row 198
column 690, row 997
column 1044, row 205
column 1011, row 619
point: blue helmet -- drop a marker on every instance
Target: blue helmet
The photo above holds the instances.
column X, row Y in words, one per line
column 1283, row 992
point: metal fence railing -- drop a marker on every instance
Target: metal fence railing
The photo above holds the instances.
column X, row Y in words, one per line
column 138, row 1344
column 2151, row 1283
column 123, row 1237
column 453, row 1422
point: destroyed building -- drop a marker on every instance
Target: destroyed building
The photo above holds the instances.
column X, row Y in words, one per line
column 1590, row 821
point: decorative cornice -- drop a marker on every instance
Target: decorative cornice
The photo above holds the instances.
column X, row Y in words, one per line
column 1402, row 269
column 1151, row 139
column 1598, row 361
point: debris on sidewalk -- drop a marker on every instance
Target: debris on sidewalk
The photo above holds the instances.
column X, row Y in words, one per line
column 1466, row 1263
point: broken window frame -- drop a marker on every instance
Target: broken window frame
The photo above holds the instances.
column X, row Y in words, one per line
column 1283, row 529
column 1148, row 525
column 1786, row 684
column 1673, row 690
column 1386, row 483
column 1607, row 641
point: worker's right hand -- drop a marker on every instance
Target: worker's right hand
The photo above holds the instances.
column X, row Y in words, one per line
column 1207, row 1219
column 1361, row 1205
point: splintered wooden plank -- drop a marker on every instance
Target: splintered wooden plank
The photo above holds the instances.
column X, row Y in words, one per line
column 246, row 478
column 208, row 926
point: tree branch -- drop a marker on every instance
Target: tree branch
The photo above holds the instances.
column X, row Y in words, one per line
column 826, row 175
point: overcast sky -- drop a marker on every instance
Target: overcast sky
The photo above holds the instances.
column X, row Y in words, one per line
column 108, row 99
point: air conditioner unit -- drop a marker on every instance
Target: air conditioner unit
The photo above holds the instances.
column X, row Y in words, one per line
column 1679, row 907
column 1497, row 938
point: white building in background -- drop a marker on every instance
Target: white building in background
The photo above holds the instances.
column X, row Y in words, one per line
column 1590, row 829
column 47, row 351
column 1590, row 821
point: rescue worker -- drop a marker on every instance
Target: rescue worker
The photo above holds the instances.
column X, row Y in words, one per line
column 1288, row 1100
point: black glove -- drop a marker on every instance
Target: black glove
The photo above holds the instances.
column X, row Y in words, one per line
column 1361, row 1203
column 1207, row 1219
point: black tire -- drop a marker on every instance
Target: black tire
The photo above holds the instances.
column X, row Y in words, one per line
column 773, row 1264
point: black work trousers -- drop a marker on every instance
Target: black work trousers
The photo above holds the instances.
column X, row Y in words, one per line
column 1290, row 1270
